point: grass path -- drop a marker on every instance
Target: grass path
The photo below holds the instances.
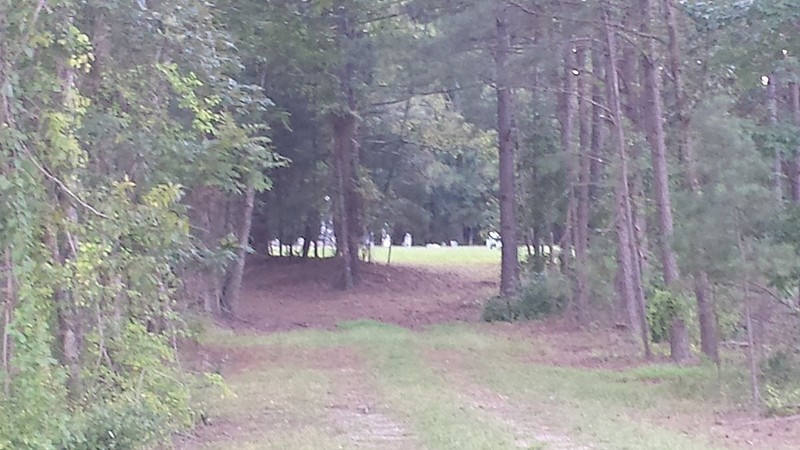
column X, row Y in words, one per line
column 376, row 386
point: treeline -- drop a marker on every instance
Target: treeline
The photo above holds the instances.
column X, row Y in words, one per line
column 123, row 129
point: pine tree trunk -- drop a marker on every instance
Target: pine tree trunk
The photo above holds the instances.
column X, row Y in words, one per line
column 597, row 163
column 777, row 160
column 312, row 222
column 341, row 133
column 631, row 105
column 794, row 99
column 568, row 111
column 347, row 160
column 654, row 124
column 509, row 269
column 685, row 141
column 306, row 248
column 9, row 303
column 8, row 266
column 709, row 337
column 584, row 179
column 628, row 289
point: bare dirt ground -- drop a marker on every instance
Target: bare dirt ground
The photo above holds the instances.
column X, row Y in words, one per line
column 281, row 295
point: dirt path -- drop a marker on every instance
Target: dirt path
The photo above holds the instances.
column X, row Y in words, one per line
column 280, row 295
column 523, row 420
column 324, row 385
column 340, row 400
column 361, row 414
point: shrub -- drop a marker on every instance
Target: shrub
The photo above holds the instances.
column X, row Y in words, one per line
column 541, row 295
column 781, row 368
column 662, row 307
column 780, row 373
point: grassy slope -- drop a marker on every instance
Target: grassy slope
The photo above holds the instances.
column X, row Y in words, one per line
column 285, row 404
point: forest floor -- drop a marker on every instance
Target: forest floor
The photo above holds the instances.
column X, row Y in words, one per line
column 402, row 362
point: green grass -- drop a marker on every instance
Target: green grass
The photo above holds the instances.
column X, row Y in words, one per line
column 429, row 397
column 419, row 256
column 438, row 257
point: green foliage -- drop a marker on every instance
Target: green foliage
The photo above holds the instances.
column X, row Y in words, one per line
column 108, row 117
column 780, row 373
column 662, row 307
column 781, row 402
column 541, row 295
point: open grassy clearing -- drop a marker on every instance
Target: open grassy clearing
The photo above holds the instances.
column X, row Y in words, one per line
column 451, row 387
column 442, row 257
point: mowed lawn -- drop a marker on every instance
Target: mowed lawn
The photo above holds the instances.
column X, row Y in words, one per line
column 442, row 257
column 372, row 385
column 436, row 257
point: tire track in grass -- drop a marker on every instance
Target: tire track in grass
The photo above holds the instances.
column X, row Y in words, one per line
column 361, row 414
column 298, row 396
column 601, row 410
column 520, row 419
column 438, row 415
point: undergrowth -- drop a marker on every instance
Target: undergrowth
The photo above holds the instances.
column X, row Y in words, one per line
column 541, row 295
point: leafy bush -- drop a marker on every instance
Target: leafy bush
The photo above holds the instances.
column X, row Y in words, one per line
column 662, row 307
column 542, row 295
column 781, row 368
column 780, row 373
column 782, row 402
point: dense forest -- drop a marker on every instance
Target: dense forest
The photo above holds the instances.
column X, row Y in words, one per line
column 645, row 155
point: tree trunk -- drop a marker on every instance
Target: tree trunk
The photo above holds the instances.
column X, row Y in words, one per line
column 568, row 110
column 777, row 160
column 709, row 337
column 509, row 269
column 233, row 286
column 794, row 98
column 685, row 141
column 584, row 178
column 752, row 355
column 312, row 222
column 628, row 290
column 9, row 304
column 596, row 165
column 345, row 135
column 654, row 124
column 341, row 133
column 632, row 107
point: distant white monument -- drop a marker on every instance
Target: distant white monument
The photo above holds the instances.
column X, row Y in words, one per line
column 407, row 240
column 494, row 240
column 326, row 235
